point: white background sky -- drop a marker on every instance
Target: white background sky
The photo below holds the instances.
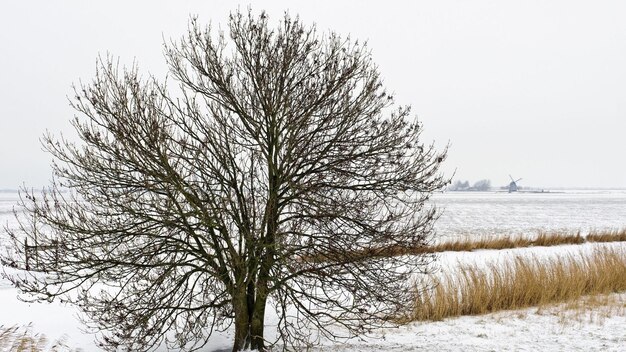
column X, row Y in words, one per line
column 536, row 89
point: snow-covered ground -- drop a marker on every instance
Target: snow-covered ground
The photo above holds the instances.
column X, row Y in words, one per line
column 555, row 328
column 548, row 329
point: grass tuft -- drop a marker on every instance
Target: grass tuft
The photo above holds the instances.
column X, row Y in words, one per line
column 607, row 236
column 19, row 339
column 522, row 282
column 22, row 339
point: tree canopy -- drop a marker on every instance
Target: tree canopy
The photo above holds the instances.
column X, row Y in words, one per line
column 268, row 171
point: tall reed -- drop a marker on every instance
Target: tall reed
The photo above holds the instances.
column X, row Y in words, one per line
column 522, row 282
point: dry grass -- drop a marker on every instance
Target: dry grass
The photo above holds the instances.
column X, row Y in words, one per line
column 589, row 309
column 506, row 242
column 19, row 339
column 22, row 339
column 607, row 236
column 522, row 282
column 492, row 243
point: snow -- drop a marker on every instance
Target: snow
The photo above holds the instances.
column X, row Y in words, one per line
column 487, row 214
column 554, row 328
column 447, row 261
column 520, row 330
column 548, row 329
column 56, row 321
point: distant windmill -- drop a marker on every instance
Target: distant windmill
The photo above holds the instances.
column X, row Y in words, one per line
column 513, row 184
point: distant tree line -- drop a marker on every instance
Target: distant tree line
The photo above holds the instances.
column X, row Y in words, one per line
column 478, row 186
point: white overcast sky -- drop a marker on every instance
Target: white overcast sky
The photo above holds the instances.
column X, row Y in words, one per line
column 536, row 89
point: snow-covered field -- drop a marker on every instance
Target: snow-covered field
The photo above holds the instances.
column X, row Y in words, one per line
column 465, row 214
column 549, row 329
column 501, row 213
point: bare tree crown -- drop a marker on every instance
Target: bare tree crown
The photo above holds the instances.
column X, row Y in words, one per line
column 260, row 181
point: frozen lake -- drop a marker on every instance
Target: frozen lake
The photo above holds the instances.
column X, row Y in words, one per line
column 492, row 214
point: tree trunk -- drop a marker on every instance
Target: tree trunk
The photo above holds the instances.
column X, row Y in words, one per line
column 242, row 322
column 257, row 319
column 250, row 319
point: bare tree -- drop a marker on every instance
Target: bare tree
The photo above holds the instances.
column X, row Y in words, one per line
column 261, row 181
column 459, row 185
column 482, row 185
